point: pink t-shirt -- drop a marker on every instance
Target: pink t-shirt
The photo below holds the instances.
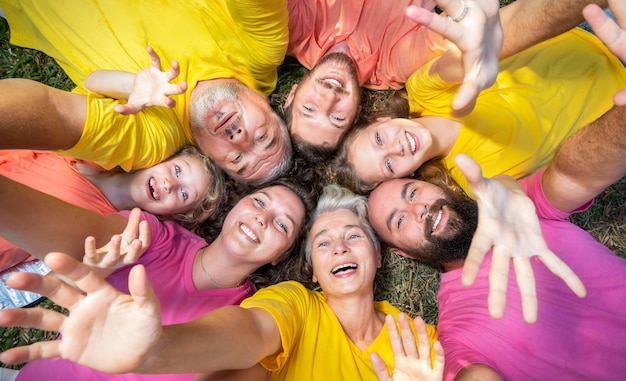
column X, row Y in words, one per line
column 386, row 45
column 168, row 262
column 52, row 174
column 573, row 338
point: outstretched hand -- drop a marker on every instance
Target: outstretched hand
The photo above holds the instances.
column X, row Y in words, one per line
column 508, row 225
column 611, row 33
column 479, row 37
column 123, row 249
column 106, row 330
column 411, row 361
column 152, row 87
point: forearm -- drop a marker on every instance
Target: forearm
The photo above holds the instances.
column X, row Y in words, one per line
column 228, row 338
column 39, row 223
column 111, row 83
column 528, row 22
column 587, row 162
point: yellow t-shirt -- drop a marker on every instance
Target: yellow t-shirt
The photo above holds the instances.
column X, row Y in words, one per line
column 242, row 39
column 541, row 96
column 314, row 344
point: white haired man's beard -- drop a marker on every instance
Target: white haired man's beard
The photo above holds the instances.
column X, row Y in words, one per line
column 452, row 244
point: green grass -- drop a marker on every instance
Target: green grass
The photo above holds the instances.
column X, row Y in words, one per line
column 408, row 285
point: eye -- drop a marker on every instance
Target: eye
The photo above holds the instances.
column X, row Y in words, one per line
column 307, row 108
column 262, row 137
column 379, row 140
column 260, row 203
column 177, row 170
column 185, row 195
column 388, row 165
column 338, row 118
column 399, row 222
column 353, row 236
column 412, row 194
column 282, row 226
column 323, row 244
column 237, row 158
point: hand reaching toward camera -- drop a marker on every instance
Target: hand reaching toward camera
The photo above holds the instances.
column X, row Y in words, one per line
column 411, row 361
column 122, row 249
column 477, row 33
column 152, row 87
column 508, row 225
column 612, row 34
column 106, row 330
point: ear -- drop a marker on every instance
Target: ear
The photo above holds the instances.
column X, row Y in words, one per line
column 379, row 259
column 292, row 93
column 399, row 252
column 383, row 119
column 314, row 278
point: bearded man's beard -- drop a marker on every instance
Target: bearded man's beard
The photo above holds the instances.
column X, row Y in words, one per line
column 454, row 242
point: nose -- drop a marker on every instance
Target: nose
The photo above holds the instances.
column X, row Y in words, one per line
column 420, row 212
column 239, row 137
column 261, row 219
column 397, row 148
column 340, row 248
column 167, row 185
column 328, row 98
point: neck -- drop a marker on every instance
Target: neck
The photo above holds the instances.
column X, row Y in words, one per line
column 453, row 265
column 444, row 132
column 115, row 186
column 359, row 319
column 213, row 268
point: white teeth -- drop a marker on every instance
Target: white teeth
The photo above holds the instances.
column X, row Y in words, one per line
column 411, row 141
column 151, row 183
column 344, row 267
column 437, row 220
column 249, row 233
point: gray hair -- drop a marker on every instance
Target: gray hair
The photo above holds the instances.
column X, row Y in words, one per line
column 335, row 197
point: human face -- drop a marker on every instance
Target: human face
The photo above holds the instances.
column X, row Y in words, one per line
column 423, row 221
column 344, row 259
column 326, row 102
column 390, row 148
column 263, row 225
column 237, row 128
column 174, row 186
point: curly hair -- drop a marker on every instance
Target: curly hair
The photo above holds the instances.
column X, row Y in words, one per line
column 211, row 203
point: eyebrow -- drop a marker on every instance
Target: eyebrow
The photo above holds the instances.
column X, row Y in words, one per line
column 299, row 110
column 394, row 211
column 289, row 217
column 345, row 227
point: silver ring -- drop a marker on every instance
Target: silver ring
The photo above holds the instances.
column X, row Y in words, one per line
column 461, row 14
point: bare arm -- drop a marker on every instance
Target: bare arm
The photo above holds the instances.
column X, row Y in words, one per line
column 117, row 333
column 149, row 87
column 36, row 116
column 588, row 162
column 39, row 223
column 528, row 22
column 478, row 372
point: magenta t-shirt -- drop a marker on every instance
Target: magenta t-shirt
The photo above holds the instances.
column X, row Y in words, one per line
column 573, row 338
column 168, row 262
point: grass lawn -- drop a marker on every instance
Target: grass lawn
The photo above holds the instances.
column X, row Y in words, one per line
column 408, row 285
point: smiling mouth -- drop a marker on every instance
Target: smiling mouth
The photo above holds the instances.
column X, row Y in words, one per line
column 344, row 267
column 249, row 233
column 437, row 220
column 411, row 141
column 152, row 188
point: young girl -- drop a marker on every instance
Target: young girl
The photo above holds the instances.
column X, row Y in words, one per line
column 541, row 96
column 188, row 188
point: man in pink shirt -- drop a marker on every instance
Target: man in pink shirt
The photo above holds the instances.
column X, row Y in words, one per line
column 556, row 333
